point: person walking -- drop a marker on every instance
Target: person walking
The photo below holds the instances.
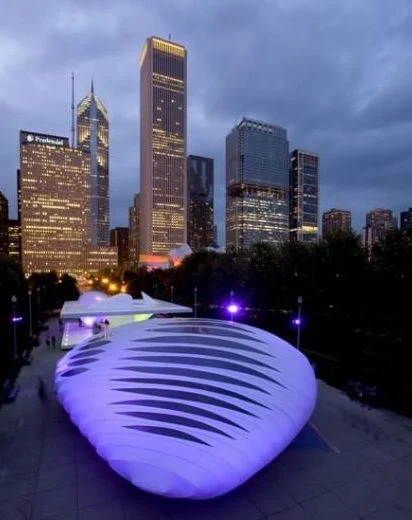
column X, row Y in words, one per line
column 41, row 388
column 53, row 342
column 48, row 343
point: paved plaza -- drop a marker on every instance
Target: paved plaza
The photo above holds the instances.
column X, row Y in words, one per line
column 349, row 463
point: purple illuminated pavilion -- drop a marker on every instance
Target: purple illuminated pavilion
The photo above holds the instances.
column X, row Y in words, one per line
column 185, row 407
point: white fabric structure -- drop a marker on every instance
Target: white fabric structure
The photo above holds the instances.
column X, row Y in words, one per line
column 188, row 408
column 94, row 303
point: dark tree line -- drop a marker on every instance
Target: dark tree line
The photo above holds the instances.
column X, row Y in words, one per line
column 40, row 294
column 356, row 305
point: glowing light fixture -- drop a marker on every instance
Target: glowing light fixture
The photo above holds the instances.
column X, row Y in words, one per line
column 233, row 308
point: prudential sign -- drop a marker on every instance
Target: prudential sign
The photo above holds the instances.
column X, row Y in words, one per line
column 44, row 139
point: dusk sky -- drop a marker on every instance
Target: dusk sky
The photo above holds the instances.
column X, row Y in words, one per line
column 335, row 73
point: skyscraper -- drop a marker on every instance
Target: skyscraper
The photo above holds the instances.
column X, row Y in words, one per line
column 134, row 230
column 200, row 202
column 54, row 202
column 93, row 137
column 163, row 187
column 4, row 220
column 336, row 220
column 257, row 179
column 406, row 219
column 378, row 223
column 119, row 238
column 14, row 232
column 304, row 196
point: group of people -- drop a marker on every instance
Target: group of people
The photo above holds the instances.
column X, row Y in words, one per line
column 102, row 326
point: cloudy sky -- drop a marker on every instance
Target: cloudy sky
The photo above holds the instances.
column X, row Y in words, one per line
column 335, row 73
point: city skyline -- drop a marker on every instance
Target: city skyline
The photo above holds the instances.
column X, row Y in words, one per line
column 360, row 132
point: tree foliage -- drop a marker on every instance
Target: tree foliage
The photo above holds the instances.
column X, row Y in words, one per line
column 355, row 305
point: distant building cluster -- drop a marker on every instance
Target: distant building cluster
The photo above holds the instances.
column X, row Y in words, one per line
column 272, row 193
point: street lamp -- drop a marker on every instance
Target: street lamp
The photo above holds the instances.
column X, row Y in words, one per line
column 195, row 302
column 14, row 320
column 38, row 297
column 171, row 293
column 233, row 309
column 298, row 321
column 30, row 318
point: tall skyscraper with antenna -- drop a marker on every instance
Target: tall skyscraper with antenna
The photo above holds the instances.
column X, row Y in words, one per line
column 93, row 137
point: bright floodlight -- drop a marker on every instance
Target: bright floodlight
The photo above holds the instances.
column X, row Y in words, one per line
column 233, row 308
column 297, row 321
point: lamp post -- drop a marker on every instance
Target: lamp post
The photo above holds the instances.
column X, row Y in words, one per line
column 38, row 298
column 195, row 302
column 232, row 307
column 299, row 321
column 13, row 301
column 30, row 318
column 171, row 293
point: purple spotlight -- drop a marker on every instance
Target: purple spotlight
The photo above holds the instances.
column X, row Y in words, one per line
column 17, row 319
column 297, row 321
column 233, row 308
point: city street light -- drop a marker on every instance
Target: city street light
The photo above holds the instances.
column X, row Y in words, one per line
column 298, row 321
column 171, row 293
column 30, row 318
column 14, row 320
column 38, row 297
column 233, row 309
column 195, row 302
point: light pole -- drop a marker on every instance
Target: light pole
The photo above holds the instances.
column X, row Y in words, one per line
column 195, row 302
column 299, row 321
column 38, row 297
column 13, row 301
column 30, row 319
column 171, row 293
column 232, row 308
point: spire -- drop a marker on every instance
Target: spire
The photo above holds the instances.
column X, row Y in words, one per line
column 92, row 87
column 73, row 117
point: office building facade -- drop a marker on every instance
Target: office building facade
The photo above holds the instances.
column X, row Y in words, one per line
column 405, row 221
column 304, row 196
column 4, row 221
column 379, row 222
column 200, row 202
column 134, row 231
column 54, row 204
column 257, row 179
column 97, row 258
column 119, row 238
column 336, row 220
column 14, row 240
column 93, row 138
column 163, row 187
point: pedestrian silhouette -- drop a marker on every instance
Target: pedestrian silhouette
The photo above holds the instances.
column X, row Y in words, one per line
column 48, row 343
column 53, row 341
column 41, row 389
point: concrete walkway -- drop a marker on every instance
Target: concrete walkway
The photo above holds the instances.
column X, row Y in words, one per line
column 350, row 463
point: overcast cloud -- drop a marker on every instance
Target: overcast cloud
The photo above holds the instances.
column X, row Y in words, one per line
column 335, row 73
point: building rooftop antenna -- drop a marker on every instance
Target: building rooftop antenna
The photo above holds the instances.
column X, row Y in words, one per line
column 73, row 125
